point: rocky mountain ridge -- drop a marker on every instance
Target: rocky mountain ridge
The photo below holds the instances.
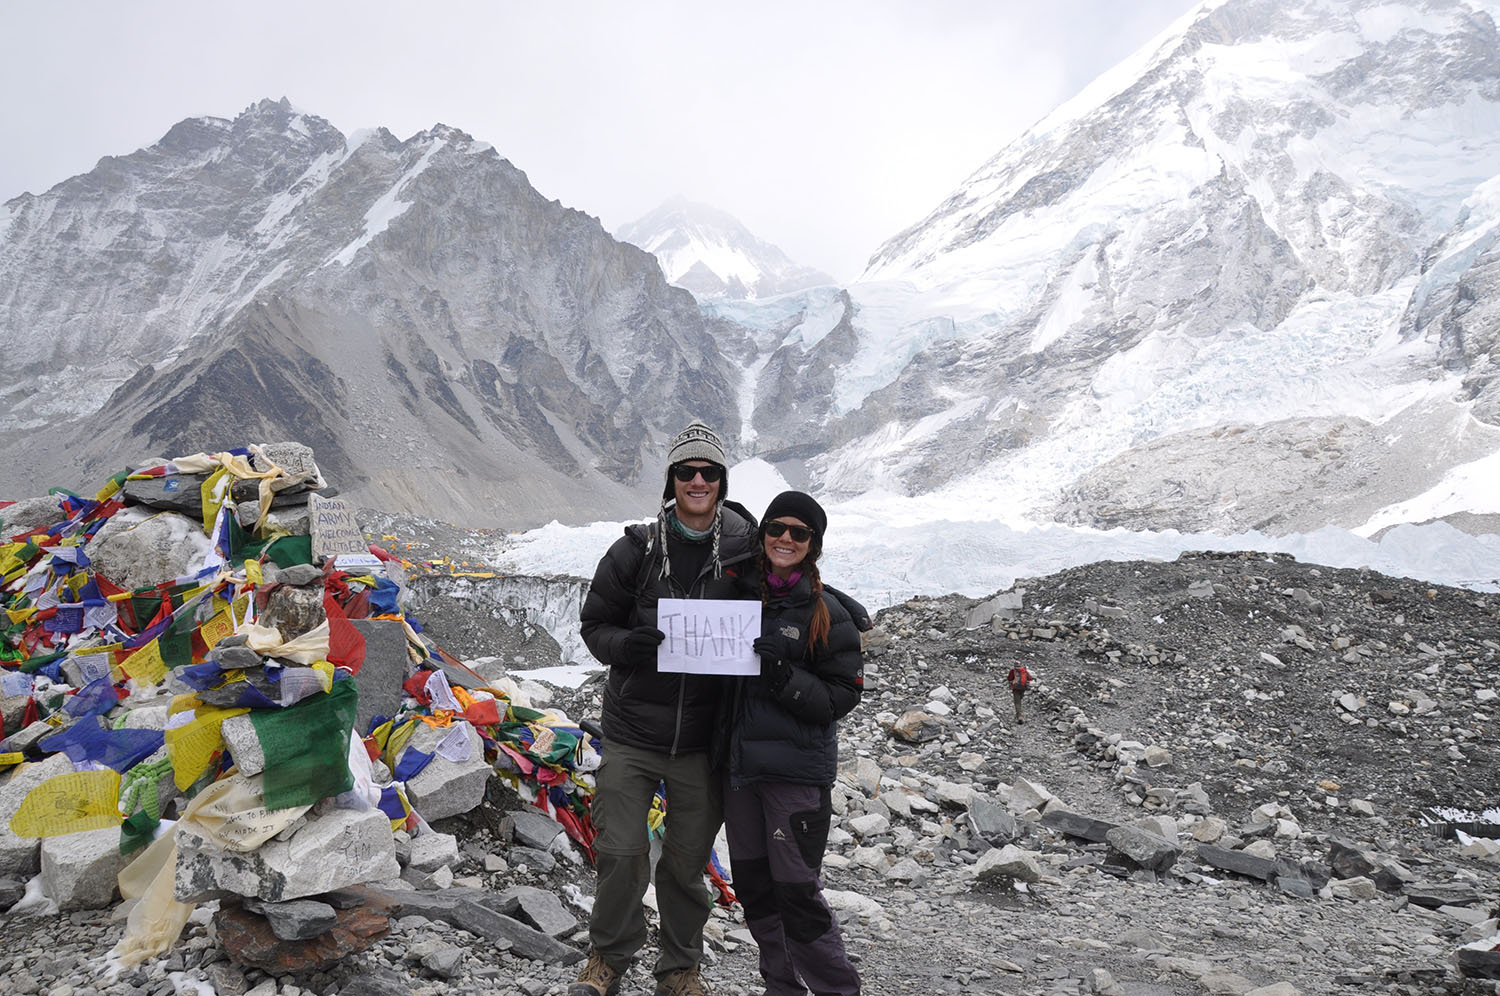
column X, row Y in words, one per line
column 443, row 333
column 1215, row 290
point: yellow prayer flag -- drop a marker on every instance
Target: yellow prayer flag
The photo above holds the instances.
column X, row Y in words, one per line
column 253, row 573
column 381, row 735
column 216, row 629
column 107, row 648
column 11, row 758
column 191, row 745
column 146, row 664
column 324, row 668
column 396, row 743
column 79, row 800
column 214, row 490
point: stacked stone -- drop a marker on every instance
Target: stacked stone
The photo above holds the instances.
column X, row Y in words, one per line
column 148, row 527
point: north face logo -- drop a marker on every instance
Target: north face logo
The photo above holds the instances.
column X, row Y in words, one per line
column 791, row 632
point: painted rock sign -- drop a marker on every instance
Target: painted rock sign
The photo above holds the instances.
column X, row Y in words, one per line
column 334, row 529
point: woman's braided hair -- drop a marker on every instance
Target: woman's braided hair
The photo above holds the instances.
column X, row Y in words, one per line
column 817, row 627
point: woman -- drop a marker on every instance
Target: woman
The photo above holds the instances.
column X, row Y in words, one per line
column 783, row 756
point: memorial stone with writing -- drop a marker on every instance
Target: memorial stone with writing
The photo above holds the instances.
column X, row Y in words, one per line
column 333, row 528
column 294, row 458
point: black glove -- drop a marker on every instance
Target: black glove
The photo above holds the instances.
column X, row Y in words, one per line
column 773, row 667
column 640, row 646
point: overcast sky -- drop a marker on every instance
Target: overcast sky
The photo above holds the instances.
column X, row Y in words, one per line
column 826, row 126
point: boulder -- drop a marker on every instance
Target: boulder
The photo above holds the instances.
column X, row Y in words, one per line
column 466, row 909
column 446, row 788
column 296, row 919
column 534, row 828
column 249, row 939
column 80, row 870
column 432, row 851
column 1006, row 862
column 139, row 548
column 990, row 821
column 1076, row 825
column 1026, row 795
column 538, row 907
column 1237, row 861
column 343, row 847
column 1147, row 849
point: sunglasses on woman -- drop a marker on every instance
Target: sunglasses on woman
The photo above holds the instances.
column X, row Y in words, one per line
column 711, row 474
column 800, row 534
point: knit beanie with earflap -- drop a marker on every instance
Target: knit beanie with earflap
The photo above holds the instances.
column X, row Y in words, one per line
column 696, row 442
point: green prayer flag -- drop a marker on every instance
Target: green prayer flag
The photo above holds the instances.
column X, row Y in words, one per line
column 137, row 831
column 143, row 609
column 176, row 648
column 34, row 664
column 307, row 747
column 289, row 551
column 284, row 551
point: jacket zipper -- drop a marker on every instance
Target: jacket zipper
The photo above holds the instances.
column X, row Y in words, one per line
column 681, row 692
column 682, row 678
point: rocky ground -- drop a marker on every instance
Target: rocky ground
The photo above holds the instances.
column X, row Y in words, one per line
column 1244, row 712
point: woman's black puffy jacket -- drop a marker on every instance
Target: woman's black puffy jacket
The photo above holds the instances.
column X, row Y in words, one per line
column 790, row 734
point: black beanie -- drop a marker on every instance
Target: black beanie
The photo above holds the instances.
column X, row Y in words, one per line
column 798, row 505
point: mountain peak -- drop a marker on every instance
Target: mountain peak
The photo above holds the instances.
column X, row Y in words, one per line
column 711, row 253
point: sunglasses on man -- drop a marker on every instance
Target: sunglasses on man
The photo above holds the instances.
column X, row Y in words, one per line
column 711, row 474
column 774, row 529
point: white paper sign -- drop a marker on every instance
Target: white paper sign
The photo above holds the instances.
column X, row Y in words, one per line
column 708, row 635
column 456, row 746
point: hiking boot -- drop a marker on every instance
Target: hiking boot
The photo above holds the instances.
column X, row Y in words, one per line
column 597, row 978
column 682, row 982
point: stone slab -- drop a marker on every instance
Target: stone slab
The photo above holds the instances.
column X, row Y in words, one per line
column 343, row 847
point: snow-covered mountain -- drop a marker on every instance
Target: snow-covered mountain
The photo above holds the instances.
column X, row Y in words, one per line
column 1247, row 279
column 1243, row 280
column 446, row 338
column 710, row 253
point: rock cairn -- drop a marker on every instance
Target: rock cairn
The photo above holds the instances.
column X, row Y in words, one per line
column 214, row 697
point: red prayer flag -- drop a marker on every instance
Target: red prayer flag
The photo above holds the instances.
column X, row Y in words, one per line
column 346, row 645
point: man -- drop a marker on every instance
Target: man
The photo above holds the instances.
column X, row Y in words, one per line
column 660, row 727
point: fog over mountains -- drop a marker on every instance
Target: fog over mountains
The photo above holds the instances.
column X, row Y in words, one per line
column 1245, row 280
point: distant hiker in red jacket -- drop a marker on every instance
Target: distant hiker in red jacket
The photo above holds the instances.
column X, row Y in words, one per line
column 1019, row 679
